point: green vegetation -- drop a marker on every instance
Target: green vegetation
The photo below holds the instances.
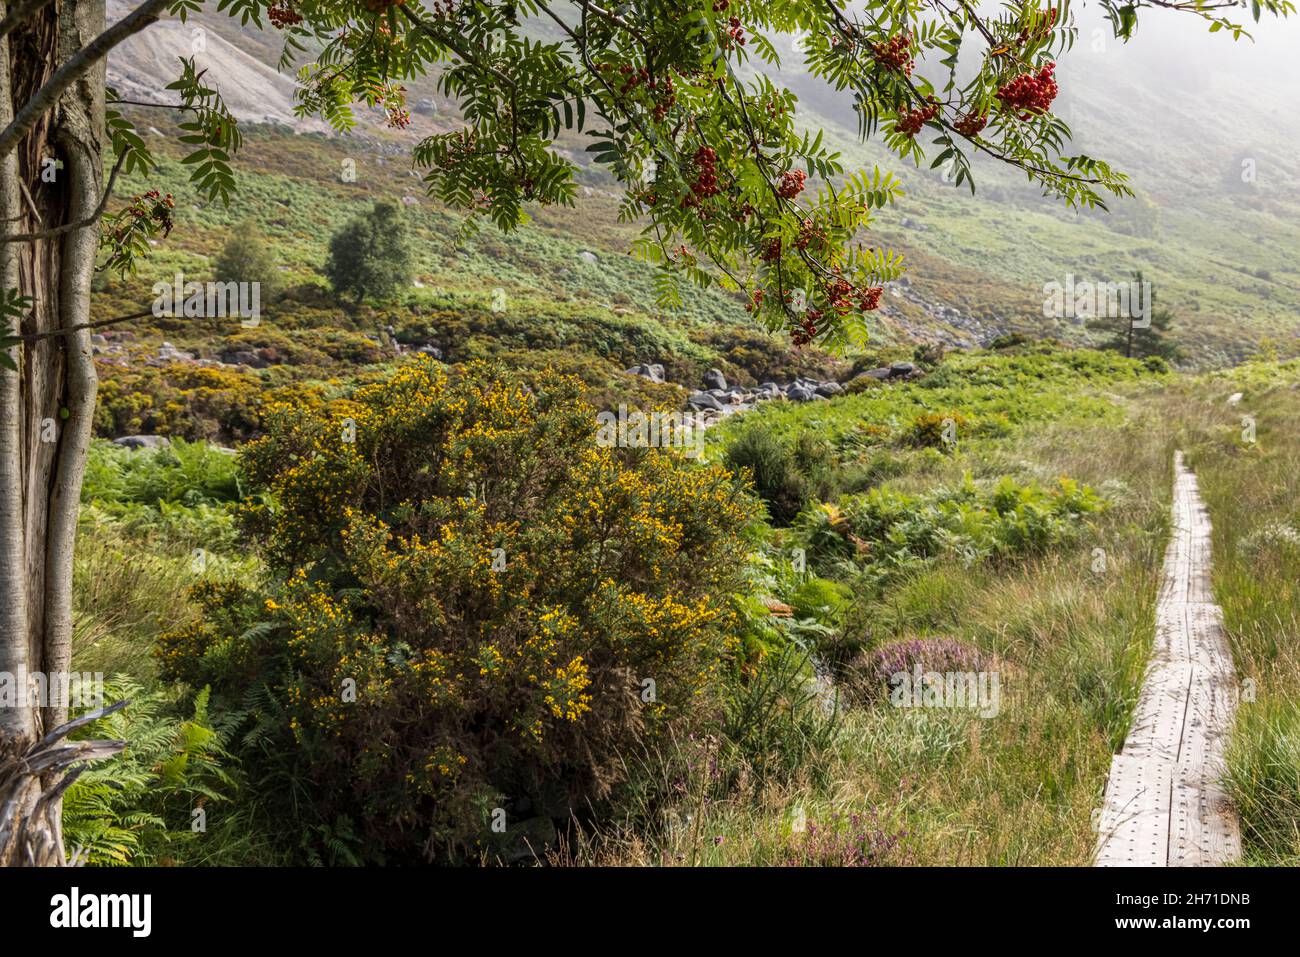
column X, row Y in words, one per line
column 246, row 258
column 370, row 257
column 767, row 712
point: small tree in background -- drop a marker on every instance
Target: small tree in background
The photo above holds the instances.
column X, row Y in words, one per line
column 1140, row 342
column 246, row 258
column 370, row 257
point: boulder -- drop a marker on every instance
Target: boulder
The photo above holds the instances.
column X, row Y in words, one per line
column 714, row 379
column 882, row 373
column 143, row 441
column 433, row 351
column 243, row 357
column 828, row 389
column 655, row 373
column 901, row 368
column 702, row 400
column 800, row 393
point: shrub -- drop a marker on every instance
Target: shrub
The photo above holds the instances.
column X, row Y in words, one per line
column 245, row 258
column 495, row 587
column 887, row 530
column 937, row 430
column 786, row 476
column 872, row 671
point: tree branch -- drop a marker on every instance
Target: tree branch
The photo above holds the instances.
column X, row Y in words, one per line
column 80, row 224
column 100, row 324
column 48, row 95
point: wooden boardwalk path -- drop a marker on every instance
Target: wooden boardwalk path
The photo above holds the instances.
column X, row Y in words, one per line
column 1163, row 805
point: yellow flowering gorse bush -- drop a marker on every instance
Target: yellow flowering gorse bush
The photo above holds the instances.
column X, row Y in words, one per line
column 481, row 607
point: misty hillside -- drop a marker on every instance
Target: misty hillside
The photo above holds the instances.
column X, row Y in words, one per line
column 1215, row 224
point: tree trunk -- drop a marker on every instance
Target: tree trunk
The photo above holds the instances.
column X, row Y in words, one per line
column 55, row 176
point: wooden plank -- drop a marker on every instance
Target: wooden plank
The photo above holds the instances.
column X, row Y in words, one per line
column 1164, row 805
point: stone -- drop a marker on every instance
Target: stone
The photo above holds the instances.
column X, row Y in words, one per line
column 143, row 441
column 702, row 400
column 901, row 368
column 800, row 393
column 655, row 373
column 828, row 389
column 714, row 379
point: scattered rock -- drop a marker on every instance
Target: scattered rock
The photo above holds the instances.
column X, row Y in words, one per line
column 169, row 353
column 242, row 357
column 714, row 379
column 588, row 256
column 702, row 400
column 143, row 441
column 1234, row 398
column 901, row 368
column 828, row 389
column 655, row 372
column 800, row 393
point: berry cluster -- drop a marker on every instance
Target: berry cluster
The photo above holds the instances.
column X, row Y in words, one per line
column 706, row 174
column 735, row 33
column 756, row 301
column 720, row 6
column 1030, row 93
column 632, row 77
column 791, row 184
column 807, row 328
column 911, row 122
column 282, row 14
column 661, row 92
column 895, row 54
column 869, row 298
column 772, row 250
column 398, row 119
column 150, row 209
column 379, row 6
column 971, row 124
column 810, row 234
